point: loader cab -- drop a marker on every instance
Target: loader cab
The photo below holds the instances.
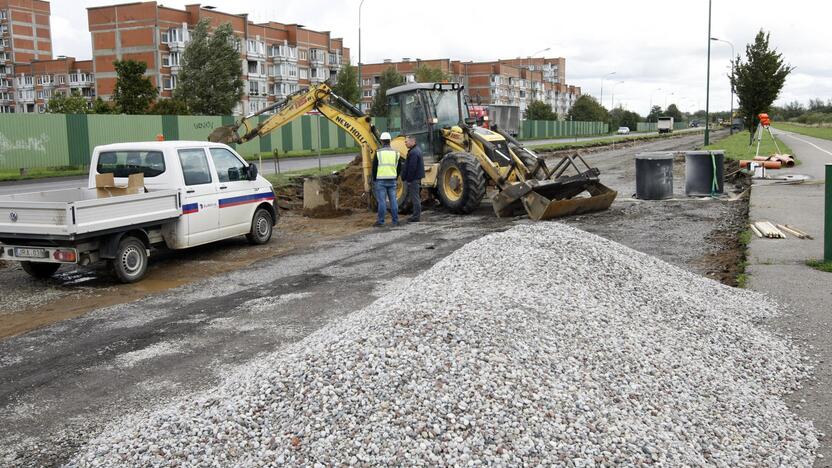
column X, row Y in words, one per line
column 423, row 110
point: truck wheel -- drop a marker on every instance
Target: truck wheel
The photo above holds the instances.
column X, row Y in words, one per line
column 460, row 183
column 130, row 263
column 261, row 227
column 40, row 270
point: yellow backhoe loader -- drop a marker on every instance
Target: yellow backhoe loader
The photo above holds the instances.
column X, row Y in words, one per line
column 461, row 160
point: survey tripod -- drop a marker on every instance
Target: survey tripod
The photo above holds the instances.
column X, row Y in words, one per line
column 764, row 126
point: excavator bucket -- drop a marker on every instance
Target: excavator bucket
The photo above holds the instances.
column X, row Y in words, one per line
column 554, row 194
column 226, row 134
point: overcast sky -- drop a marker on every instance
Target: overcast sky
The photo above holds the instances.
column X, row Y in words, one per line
column 657, row 48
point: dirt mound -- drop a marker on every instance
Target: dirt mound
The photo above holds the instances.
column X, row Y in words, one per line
column 351, row 185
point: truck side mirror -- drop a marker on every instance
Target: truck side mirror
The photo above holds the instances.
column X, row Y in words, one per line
column 252, row 172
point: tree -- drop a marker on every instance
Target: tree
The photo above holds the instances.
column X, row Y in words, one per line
column 624, row 118
column 587, row 109
column 169, row 107
column 60, row 103
column 390, row 78
column 539, row 110
column 673, row 111
column 427, row 74
column 655, row 113
column 133, row 92
column 100, row 106
column 347, row 84
column 209, row 82
column 757, row 81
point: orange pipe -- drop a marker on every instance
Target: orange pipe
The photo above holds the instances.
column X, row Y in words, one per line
column 766, row 164
column 785, row 159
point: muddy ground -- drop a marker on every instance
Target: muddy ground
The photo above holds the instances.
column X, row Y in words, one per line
column 81, row 350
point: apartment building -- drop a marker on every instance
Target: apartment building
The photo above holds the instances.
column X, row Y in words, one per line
column 38, row 82
column 24, row 37
column 511, row 82
column 277, row 59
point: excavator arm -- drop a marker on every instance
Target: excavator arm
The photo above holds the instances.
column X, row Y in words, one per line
column 321, row 98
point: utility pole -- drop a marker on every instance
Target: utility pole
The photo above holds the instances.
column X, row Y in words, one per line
column 708, row 84
column 360, row 87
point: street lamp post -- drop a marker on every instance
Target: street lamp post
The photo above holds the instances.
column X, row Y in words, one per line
column 733, row 54
column 651, row 101
column 665, row 99
column 612, row 105
column 602, row 86
column 708, row 84
column 360, row 87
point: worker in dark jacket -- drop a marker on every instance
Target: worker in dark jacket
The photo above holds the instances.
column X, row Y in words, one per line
column 412, row 175
column 387, row 166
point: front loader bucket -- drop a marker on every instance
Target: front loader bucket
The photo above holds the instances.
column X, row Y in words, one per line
column 541, row 208
column 556, row 195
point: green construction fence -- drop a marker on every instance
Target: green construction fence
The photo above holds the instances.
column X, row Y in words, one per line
column 56, row 140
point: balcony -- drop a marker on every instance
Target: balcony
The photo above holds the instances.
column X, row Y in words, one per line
column 316, row 57
column 283, row 54
column 285, row 78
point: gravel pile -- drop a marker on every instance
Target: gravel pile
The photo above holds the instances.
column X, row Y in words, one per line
column 539, row 345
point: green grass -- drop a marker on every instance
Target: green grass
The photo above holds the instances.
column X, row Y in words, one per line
column 301, row 154
column 603, row 141
column 817, row 132
column 284, row 178
column 820, row 265
column 42, row 173
column 737, row 147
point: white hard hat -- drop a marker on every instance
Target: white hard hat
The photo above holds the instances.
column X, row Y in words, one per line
column 385, row 137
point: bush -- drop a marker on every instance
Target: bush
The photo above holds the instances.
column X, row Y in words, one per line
column 814, row 118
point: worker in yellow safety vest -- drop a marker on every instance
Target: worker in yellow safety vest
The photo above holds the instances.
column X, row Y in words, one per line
column 387, row 165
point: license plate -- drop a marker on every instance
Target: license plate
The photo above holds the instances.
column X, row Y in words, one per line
column 31, row 253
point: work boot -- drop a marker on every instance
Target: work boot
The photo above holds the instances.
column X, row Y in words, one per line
column 378, row 225
column 396, row 224
column 413, row 220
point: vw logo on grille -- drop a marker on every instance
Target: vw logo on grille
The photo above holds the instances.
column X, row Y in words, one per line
column 13, row 216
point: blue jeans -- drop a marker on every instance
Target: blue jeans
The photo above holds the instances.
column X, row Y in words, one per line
column 384, row 189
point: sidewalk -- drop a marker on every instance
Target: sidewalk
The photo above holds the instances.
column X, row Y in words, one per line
column 777, row 267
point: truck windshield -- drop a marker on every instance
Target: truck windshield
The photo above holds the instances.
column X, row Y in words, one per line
column 446, row 108
column 125, row 163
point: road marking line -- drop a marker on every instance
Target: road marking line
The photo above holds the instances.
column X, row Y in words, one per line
column 807, row 142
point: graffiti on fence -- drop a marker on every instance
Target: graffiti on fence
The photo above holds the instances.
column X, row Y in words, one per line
column 36, row 144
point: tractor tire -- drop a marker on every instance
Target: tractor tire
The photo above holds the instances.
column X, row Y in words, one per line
column 460, row 183
column 40, row 270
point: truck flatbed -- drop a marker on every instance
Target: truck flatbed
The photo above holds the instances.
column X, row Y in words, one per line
column 77, row 213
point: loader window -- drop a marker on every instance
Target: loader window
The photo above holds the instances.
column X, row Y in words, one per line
column 124, row 163
column 415, row 120
column 394, row 115
column 446, row 109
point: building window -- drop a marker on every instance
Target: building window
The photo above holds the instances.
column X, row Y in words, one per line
column 6, row 110
column 365, row 82
column 368, row 93
column 168, row 82
column 61, row 79
column 304, row 73
column 301, row 54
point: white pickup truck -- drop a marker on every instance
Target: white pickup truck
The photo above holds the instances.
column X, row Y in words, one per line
column 194, row 192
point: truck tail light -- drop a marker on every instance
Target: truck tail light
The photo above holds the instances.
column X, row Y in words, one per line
column 65, row 256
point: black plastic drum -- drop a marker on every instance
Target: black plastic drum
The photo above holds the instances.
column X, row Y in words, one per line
column 654, row 176
column 704, row 173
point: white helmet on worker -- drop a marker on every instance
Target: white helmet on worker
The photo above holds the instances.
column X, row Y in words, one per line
column 385, row 137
